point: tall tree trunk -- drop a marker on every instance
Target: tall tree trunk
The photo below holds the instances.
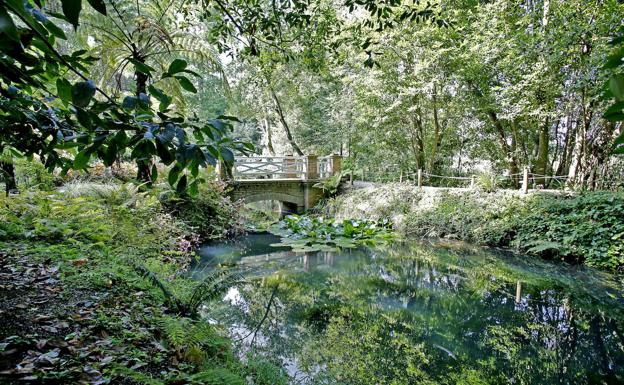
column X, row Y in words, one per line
column 8, row 175
column 280, row 113
column 418, row 145
column 437, row 132
column 515, row 179
column 502, row 138
column 561, row 167
column 541, row 164
column 577, row 174
column 269, row 135
column 144, row 166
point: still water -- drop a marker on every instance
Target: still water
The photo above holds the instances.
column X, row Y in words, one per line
column 420, row 312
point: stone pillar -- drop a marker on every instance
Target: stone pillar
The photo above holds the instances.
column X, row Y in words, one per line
column 336, row 163
column 290, row 167
column 311, row 171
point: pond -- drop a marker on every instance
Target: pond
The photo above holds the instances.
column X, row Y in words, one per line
column 419, row 312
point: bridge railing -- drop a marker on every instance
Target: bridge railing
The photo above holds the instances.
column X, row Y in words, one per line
column 308, row 167
column 269, row 167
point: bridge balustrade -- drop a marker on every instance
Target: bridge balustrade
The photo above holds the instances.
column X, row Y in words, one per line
column 308, row 167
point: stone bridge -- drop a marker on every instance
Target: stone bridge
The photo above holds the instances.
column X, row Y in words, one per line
column 289, row 180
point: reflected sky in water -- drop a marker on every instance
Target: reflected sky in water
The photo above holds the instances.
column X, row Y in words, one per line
column 420, row 312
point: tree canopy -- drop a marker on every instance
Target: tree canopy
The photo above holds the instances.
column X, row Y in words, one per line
column 452, row 88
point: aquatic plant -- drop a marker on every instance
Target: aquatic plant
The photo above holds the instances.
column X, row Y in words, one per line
column 306, row 233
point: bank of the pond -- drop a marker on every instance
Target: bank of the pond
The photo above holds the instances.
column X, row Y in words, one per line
column 93, row 289
column 582, row 228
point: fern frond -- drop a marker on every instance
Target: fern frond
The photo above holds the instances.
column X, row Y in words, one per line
column 170, row 299
column 212, row 287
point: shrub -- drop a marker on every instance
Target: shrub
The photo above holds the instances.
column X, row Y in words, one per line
column 208, row 213
column 32, row 173
column 586, row 228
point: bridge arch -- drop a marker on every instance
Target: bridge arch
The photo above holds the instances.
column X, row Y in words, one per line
column 273, row 196
column 295, row 196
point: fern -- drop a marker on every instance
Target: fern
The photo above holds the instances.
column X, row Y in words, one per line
column 213, row 286
column 170, row 299
column 149, row 30
column 193, row 340
column 217, row 376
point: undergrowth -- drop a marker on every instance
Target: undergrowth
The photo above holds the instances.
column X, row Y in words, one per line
column 116, row 240
column 585, row 228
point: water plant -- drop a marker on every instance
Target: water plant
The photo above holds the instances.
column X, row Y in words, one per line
column 306, row 234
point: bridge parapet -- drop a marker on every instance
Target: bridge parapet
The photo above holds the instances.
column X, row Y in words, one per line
column 309, row 167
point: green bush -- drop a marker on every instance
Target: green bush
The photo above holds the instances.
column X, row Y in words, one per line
column 32, row 173
column 208, row 213
column 587, row 228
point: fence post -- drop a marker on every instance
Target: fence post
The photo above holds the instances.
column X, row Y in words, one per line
column 472, row 182
column 401, row 177
column 311, row 171
column 419, row 178
column 525, row 181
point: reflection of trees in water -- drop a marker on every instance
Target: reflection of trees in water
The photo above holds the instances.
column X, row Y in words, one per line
column 420, row 314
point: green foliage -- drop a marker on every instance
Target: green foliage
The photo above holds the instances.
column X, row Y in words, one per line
column 330, row 185
column 584, row 229
column 486, row 182
column 587, row 228
column 195, row 341
column 115, row 239
column 44, row 110
column 304, row 233
column 615, row 112
column 33, row 174
column 208, row 213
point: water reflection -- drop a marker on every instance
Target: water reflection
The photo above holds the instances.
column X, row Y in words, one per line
column 422, row 313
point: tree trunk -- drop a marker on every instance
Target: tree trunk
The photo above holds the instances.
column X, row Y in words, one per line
column 280, row 113
column 568, row 145
column 541, row 164
column 577, row 173
column 437, row 133
column 502, row 137
column 8, row 174
column 269, row 136
column 144, row 166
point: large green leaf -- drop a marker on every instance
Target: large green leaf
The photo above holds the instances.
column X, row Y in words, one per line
column 64, row 90
column 174, row 173
column 82, row 158
column 186, row 84
column 178, row 65
column 98, row 5
column 142, row 67
column 71, row 10
column 164, row 100
column 181, row 185
column 616, row 84
column 7, row 26
column 82, row 92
